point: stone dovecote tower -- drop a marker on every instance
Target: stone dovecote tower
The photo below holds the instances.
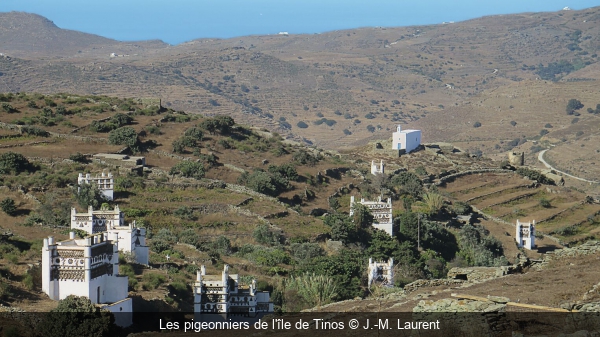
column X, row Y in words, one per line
column 222, row 296
column 381, row 272
column 382, row 212
column 525, row 235
column 377, row 169
column 87, row 267
column 105, row 183
column 131, row 239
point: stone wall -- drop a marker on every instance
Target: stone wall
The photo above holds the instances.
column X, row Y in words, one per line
column 474, row 273
column 451, row 177
column 430, row 283
column 588, row 248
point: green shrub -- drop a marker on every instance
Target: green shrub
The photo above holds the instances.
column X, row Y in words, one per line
column 160, row 246
column 304, row 158
column 188, row 169
column 461, row 208
column 221, row 124
column 152, row 281
column 12, row 258
column 153, row 130
column 224, row 143
column 534, row 175
column 28, row 282
column 545, row 203
column 221, row 245
column 34, row 131
column 306, row 251
column 269, row 257
column 135, row 213
column 194, row 133
column 302, row 125
column 79, row 158
column 88, row 195
column 190, row 237
column 8, row 108
column 8, row 206
column 124, row 136
column 13, row 163
column 264, row 182
column 184, row 213
column 262, row 234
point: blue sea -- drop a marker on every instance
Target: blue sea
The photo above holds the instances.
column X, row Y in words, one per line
column 177, row 21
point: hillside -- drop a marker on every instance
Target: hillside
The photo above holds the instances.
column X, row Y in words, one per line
column 215, row 192
column 32, row 36
column 345, row 87
column 255, row 145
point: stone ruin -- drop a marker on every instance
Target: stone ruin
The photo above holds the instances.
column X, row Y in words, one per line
column 516, row 158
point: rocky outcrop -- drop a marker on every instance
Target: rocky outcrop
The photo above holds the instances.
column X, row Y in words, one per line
column 588, row 307
column 588, row 248
column 459, row 305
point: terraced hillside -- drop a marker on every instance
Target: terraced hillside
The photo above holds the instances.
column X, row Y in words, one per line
column 561, row 212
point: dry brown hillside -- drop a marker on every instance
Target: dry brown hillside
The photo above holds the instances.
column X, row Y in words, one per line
column 341, row 88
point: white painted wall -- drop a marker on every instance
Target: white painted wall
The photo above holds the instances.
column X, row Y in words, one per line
column 407, row 140
column 383, row 220
column 122, row 311
column 377, row 169
column 132, row 240
column 105, row 183
column 525, row 235
column 113, row 288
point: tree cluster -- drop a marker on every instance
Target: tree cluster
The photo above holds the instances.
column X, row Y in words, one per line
column 221, row 124
column 188, row 169
column 115, row 122
column 125, row 136
column 573, row 105
column 270, row 183
column 14, row 163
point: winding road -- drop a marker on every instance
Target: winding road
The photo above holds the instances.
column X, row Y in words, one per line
column 541, row 159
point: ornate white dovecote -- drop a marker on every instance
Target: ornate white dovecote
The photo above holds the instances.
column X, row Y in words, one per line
column 377, row 169
column 87, row 267
column 525, row 235
column 382, row 212
column 381, row 272
column 131, row 238
column 223, row 295
column 105, row 183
